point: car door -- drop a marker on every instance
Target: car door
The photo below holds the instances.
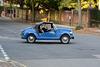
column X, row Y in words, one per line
column 48, row 35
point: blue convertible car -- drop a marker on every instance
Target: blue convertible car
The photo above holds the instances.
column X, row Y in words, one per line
column 47, row 31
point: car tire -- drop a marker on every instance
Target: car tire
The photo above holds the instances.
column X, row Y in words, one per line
column 31, row 39
column 65, row 39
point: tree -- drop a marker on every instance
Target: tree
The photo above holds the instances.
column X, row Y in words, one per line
column 74, row 4
column 10, row 8
column 68, row 4
column 33, row 11
column 79, row 13
column 20, row 2
column 81, row 4
column 49, row 5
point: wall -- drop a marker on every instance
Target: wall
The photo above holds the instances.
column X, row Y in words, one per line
column 22, row 14
column 60, row 17
column 74, row 18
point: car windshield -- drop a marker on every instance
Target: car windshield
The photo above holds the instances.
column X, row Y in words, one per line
column 34, row 26
column 54, row 26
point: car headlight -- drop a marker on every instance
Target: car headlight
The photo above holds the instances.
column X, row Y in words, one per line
column 71, row 32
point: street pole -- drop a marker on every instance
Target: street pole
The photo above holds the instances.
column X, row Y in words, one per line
column 10, row 8
column 80, row 13
column 33, row 11
column 70, row 20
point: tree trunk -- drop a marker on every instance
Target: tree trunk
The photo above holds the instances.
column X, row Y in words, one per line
column 79, row 13
column 60, row 14
column 49, row 16
column 21, row 4
column 33, row 11
column 22, row 13
column 10, row 8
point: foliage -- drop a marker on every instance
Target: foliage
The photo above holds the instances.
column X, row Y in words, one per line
column 68, row 3
column 78, row 27
column 95, row 14
column 49, row 4
column 20, row 2
column 45, row 4
column 55, row 4
column 74, row 4
column 2, row 6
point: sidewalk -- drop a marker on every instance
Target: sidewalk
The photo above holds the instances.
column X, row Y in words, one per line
column 90, row 31
column 64, row 63
column 10, row 63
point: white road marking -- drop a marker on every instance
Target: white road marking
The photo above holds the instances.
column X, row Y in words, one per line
column 3, row 37
column 6, row 56
column 98, row 56
column 4, row 53
column 8, row 30
column 11, row 38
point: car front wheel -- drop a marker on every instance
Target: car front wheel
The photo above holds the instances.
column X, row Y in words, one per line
column 65, row 39
column 31, row 38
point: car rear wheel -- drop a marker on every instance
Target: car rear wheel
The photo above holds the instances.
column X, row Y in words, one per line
column 31, row 38
column 65, row 39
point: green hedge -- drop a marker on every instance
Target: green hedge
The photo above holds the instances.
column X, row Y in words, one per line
column 78, row 28
column 94, row 23
column 95, row 15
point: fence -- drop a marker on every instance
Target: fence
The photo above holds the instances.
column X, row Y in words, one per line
column 60, row 17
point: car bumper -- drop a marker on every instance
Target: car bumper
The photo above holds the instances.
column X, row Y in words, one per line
column 72, row 38
column 22, row 37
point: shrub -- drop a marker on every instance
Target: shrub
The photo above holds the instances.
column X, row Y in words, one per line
column 94, row 23
column 79, row 27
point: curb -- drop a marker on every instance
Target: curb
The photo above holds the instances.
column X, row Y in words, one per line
column 13, row 63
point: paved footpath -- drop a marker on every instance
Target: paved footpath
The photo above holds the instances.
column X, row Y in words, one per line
column 65, row 63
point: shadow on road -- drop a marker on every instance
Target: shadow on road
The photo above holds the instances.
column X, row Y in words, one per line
column 47, row 43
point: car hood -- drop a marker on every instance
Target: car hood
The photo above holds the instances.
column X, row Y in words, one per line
column 65, row 29
column 29, row 28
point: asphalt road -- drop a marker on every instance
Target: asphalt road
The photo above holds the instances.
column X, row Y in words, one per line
column 84, row 50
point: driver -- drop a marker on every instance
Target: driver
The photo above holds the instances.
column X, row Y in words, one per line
column 45, row 29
